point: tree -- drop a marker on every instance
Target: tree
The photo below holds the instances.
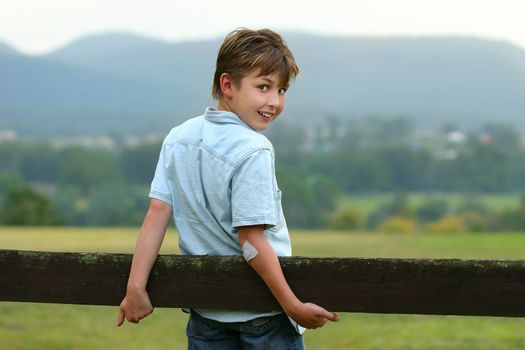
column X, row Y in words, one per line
column 116, row 205
column 25, row 206
column 8, row 180
column 307, row 200
column 88, row 169
column 138, row 163
column 397, row 207
column 346, row 219
column 432, row 209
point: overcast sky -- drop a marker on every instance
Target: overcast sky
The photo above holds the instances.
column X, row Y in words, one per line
column 38, row 26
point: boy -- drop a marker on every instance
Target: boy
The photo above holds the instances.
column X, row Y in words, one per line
column 216, row 176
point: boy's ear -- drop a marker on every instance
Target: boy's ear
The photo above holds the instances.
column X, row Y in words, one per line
column 226, row 84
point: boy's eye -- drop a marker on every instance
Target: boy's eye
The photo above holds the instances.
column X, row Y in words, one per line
column 263, row 87
column 282, row 91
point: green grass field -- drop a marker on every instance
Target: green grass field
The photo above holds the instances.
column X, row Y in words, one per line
column 47, row 326
column 367, row 203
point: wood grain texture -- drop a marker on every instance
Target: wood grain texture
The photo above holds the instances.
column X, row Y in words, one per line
column 408, row 286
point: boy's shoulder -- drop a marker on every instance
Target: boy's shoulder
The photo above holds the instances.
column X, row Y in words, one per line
column 232, row 141
column 236, row 142
column 187, row 130
column 246, row 137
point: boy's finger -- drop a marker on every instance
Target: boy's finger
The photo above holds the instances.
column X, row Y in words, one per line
column 120, row 319
column 321, row 322
column 330, row 315
column 333, row 317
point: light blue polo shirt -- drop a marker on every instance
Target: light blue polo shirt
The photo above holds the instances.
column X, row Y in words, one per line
column 218, row 174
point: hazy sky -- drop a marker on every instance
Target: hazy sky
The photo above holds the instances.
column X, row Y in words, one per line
column 38, row 26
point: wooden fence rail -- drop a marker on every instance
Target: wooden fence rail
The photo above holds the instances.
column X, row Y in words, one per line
column 413, row 286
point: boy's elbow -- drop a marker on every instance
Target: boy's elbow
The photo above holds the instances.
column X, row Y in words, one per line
column 246, row 232
column 158, row 206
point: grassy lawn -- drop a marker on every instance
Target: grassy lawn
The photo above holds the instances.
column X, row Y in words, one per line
column 367, row 203
column 45, row 326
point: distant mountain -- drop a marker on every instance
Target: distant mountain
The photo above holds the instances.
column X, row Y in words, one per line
column 432, row 79
column 121, row 83
column 39, row 97
column 184, row 69
column 7, row 50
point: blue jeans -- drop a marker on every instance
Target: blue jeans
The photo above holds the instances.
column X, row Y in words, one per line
column 274, row 332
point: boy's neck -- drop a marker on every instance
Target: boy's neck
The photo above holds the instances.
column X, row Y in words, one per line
column 223, row 105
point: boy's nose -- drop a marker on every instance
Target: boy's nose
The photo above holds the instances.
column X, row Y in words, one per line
column 274, row 100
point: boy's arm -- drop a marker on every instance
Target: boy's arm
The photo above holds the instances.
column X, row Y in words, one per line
column 267, row 265
column 136, row 304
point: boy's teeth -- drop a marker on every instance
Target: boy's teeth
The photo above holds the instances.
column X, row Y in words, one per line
column 266, row 115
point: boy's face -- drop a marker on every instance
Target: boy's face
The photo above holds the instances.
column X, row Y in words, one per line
column 257, row 100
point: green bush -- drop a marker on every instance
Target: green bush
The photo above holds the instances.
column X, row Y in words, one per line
column 398, row 224
column 512, row 219
column 447, row 224
column 396, row 207
column 475, row 221
column 25, row 206
column 307, row 200
column 432, row 209
column 346, row 219
column 472, row 203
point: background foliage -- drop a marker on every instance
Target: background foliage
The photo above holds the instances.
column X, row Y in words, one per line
column 316, row 167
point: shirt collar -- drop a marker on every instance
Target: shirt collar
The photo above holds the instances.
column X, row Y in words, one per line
column 224, row 117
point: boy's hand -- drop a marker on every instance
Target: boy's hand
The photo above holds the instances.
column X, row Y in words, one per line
column 311, row 315
column 135, row 306
column 267, row 265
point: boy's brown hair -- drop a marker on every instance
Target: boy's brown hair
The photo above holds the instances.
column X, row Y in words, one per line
column 244, row 50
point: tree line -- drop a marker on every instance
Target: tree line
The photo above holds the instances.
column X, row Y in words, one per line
column 315, row 165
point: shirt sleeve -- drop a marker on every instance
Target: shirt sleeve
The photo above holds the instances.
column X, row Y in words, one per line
column 253, row 194
column 159, row 186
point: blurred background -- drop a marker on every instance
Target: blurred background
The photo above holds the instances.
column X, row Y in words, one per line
column 407, row 111
column 403, row 136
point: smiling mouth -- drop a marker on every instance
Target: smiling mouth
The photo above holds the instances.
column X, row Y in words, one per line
column 265, row 115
